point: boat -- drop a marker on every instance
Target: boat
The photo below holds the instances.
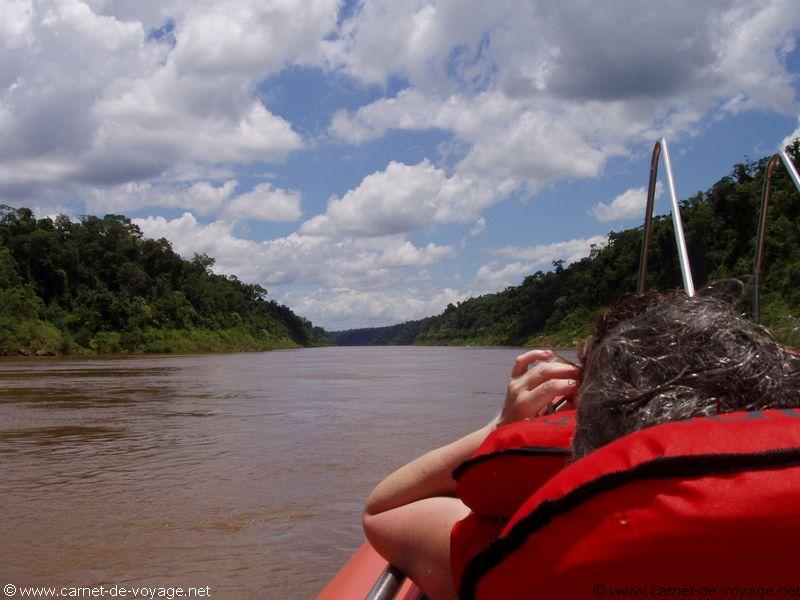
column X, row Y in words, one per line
column 367, row 576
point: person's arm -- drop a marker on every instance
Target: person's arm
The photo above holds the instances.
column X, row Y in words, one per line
column 428, row 476
column 409, row 515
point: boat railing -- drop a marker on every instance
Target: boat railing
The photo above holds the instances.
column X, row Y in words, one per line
column 766, row 195
column 387, row 585
column 683, row 255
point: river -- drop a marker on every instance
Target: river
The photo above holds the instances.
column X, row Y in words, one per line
column 242, row 472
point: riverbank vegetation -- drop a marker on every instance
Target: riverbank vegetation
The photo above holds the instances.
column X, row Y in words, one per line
column 556, row 308
column 98, row 286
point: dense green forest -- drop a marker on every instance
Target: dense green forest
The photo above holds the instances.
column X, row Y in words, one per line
column 557, row 308
column 97, row 286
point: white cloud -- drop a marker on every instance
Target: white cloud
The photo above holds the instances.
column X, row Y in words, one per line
column 496, row 275
column 266, row 203
column 202, row 197
column 789, row 138
column 297, row 258
column 544, row 254
column 478, row 228
column 630, row 204
column 514, row 143
column 16, row 18
column 535, row 91
column 252, row 37
column 752, row 42
column 536, row 47
column 413, row 109
column 88, row 97
column 413, row 39
column 151, row 125
column 346, row 308
column 263, row 203
column 400, row 199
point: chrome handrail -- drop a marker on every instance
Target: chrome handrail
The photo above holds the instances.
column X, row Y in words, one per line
column 387, row 585
column 683, row 255
column 766, row 195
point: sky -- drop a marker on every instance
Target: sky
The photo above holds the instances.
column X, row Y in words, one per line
column 370, row 162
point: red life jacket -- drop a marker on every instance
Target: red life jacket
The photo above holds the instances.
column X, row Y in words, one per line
column 513, row 462
column 509, row 466
column 691, row 508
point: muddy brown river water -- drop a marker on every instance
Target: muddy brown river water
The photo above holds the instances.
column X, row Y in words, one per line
column 243, row 472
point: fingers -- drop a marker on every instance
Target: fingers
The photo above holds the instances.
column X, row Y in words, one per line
column 532, row 390
column 523, row 361
column 546, row 371
column 538, row 400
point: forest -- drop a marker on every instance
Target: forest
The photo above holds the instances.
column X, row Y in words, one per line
column 556, row 308
column 98, row 286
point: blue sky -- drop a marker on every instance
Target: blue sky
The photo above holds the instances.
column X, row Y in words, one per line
column 370, row 162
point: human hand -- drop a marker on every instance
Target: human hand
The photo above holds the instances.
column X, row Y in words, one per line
column 531, row 391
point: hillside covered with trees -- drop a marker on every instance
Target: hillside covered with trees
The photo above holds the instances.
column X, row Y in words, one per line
column 557, row 307
column 97, row 286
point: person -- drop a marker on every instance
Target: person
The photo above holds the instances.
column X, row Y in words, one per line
column 651, row 358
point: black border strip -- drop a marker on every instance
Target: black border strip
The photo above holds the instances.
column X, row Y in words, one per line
column 519, row 451
column 659, row 468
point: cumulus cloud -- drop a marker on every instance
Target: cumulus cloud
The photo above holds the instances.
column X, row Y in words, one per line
column 263, row 203
column 510, row 141
column 400, row 199
column 514, row 143
column 544, row 254
column 266, row 203
column 345, row 308
column 563, row 49
column 414, row 39
column 298, row 258
column 477, row 229
column 203, row 196
column 496, row 275
column 563, row 105
column 752, row 42
column 88, row 97
column 251, row 37
column 790, row 138
column 630, row 204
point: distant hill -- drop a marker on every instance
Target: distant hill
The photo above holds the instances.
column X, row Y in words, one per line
column 403, row 334
column 556, row 308
column 98, row 286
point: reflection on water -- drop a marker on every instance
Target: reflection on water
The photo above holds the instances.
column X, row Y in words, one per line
column 243, row 472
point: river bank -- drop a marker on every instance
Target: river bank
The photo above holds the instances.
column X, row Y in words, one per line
column 40, row 338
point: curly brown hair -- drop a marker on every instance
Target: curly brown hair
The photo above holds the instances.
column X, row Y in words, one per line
column 655, row 358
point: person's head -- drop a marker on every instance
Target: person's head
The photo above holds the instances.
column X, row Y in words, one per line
column 658, row 358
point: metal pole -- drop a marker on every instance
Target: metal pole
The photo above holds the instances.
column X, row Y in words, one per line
column 766, row 196
column 787, row 162
column 387, row 584
column 648, row 217
column 683, row 255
